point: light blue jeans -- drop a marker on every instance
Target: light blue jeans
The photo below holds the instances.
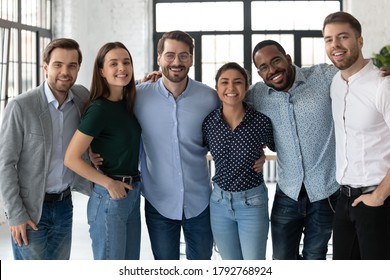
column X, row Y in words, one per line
column 115, row 224
column 240, row 222
column 52, row 240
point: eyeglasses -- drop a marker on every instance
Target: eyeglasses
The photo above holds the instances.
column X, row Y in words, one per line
column 171, row 56
column 264, row 68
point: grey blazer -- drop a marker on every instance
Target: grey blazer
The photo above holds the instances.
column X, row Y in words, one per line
column 25, row 153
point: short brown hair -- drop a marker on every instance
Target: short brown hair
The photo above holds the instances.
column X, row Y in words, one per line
column 343, row 17
column 177, row 35
column 62, row 43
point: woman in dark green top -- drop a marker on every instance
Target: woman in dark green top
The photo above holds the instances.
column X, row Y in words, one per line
column 109, row 127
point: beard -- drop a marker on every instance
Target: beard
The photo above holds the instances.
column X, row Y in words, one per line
column 175, row 77
column 347, row 62
column 287, row 83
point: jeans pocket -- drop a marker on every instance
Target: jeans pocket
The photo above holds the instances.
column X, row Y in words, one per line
column 69, row 202
column 258, row 199
column 332, row 200
column 94, row 203
column 216, row 197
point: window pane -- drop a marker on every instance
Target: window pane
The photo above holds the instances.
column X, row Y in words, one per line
column 9, row 10
column 294, row 15
column 43, row 43
column 199, row 16
column 29, row 62
column 46, row 12
column 36, row 13
column 286, row 40
column 216, row 51
column 4, row 40
column 313, row 52
column 13, row 70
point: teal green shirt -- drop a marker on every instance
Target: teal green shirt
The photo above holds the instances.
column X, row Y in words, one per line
column 116, row 136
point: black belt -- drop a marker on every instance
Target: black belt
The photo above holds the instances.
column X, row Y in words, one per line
column 126, row 179
column 349, row 191
column 53, row 197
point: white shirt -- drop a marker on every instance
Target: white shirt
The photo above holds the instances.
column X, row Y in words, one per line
column 361, row 112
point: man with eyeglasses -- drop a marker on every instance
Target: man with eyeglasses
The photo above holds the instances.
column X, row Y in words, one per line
column 297, row 100
column 173, row 164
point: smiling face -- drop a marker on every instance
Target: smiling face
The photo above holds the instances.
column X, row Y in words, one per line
column 175, row 70
column 231, row 87
column 274, row 68
column 342, row 45
column 61, row 71
column 117, row 68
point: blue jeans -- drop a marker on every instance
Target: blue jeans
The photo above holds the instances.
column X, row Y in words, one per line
column 290, row 218
column 115, row 224
column 240, row 222
column 52, row 240
column 164, row 235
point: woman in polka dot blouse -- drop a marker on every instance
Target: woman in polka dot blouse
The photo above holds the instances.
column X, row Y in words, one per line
column 235, row 135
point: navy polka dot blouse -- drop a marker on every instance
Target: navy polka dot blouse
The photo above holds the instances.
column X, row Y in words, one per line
column 235, row 151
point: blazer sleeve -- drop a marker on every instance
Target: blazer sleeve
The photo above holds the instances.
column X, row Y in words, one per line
column 11, row 144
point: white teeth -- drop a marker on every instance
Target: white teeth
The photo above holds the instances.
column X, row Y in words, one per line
column 176, row 69
column 276, row 77
column 231, row 95
column 121, row 76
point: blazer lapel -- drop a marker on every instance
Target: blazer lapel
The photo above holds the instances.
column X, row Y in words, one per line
column 46, row 124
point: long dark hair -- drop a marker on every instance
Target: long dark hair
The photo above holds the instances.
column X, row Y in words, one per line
column 99, row 87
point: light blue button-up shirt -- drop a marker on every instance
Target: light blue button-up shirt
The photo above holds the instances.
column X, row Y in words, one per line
column 64, row 123
column 174, row 168
column 303, row 131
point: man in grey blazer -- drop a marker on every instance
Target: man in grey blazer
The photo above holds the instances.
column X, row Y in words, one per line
column 34, row 183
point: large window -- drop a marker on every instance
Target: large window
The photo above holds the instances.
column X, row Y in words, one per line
column 228, row 30
column 25, row 29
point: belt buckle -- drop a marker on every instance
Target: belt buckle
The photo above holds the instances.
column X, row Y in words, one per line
column 349, row 191
column 61, row 197
column 127, row 177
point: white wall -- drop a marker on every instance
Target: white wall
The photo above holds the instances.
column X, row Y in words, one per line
column 375, row 20
column 94, row 22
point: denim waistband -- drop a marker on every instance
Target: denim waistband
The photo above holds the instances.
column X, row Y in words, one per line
column 245, row 193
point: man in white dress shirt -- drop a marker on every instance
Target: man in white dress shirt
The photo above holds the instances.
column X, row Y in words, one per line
column 361, row 113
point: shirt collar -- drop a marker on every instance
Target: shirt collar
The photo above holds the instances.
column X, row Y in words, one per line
column 167, row 93
column 247, row 117
column 361, row 72
column 51, row 98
